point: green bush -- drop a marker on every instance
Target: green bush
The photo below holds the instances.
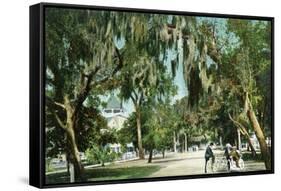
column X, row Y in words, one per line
column 248, row 156
column 100, row 155
column 49, row 167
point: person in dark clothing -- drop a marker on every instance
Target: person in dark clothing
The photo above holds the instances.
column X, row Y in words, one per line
column 209, row 154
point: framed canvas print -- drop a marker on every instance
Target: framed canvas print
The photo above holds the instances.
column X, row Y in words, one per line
column 127, row 95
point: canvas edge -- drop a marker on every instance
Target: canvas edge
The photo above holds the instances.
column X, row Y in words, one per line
column 35, row 96
column 37, row 160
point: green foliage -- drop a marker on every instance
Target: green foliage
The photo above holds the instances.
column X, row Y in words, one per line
column 88, row 132
column 248, row 157
column 101, row 155
column 129, row 131
column 160, row 125
column 80, row 49
column 48, row 166
column 251, row 62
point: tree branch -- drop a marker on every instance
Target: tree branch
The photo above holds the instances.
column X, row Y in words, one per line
column 243, row 130
column 141, row 97
column 88, row 85
column 134, row 100
column 116, row 69
column 239, row 125
column 59, row 104
column 85, row 89
column 135, row 94
column 60, row 121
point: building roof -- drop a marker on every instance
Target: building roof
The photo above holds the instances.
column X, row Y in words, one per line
column 113, row 103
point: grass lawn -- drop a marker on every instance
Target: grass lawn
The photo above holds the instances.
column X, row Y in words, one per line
column 107, row 173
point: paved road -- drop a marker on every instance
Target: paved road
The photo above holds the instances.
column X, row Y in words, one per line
column 191, row 163
column 180, row 164
column 176, row 164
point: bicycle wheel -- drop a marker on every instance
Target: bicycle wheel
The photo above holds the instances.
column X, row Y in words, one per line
column 224, row 164
column 241, row 164
column 216, row 165
column 210, row 167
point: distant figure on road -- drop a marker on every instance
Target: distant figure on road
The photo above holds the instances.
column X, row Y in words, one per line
column 209, row 154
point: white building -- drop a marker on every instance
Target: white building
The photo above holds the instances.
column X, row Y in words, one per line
column 116, row 115
column 116, row 122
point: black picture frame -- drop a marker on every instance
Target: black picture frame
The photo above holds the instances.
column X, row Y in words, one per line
column 37, row 94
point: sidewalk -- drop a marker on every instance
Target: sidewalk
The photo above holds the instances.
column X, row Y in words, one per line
column 94, row 165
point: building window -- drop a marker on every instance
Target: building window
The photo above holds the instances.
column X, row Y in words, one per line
column 116, row 111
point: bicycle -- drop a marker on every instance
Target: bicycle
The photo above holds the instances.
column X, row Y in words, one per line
column 211, row 165
column 234, row 167
column 221, row 164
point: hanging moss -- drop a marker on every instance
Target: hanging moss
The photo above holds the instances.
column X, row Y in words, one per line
column 194, row 87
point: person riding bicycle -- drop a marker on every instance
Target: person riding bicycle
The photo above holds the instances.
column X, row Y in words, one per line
column 235, row 156
column 209, row 154
column 227, row 154
column 231, row 153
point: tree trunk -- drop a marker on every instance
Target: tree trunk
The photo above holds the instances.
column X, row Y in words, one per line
column 253, row 151
column 221, row 142
column 175, row 142
column 71, row 139
column 238, row 140
column 150, row 156
column 185, row 142
column 243, row 130
column 259, row 133
column 67, row 162
column 72, row 149
column 246, row 134
column 141, row 152
column 71, row 173
column 75, row 155
column 102, row 164
column 163, row 153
